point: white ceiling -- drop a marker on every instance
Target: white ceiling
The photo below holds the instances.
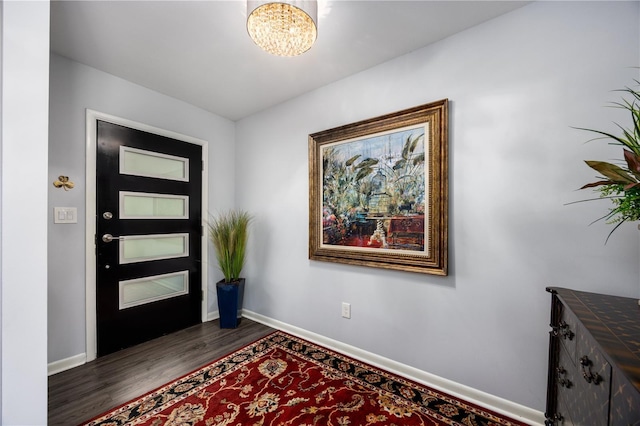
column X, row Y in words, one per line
column 200, row 52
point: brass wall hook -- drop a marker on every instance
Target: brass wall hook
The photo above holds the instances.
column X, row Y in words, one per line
column 64, row 182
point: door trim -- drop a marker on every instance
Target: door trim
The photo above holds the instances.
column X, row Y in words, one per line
column 90, row 207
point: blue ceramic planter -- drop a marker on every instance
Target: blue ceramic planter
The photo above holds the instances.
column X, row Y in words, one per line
column 230, row 302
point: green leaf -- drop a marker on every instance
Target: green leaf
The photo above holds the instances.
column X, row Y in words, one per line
column 614, row 228
column 418, row 159
column 228, row 233
column 363, row 173
column 618, row 139
column 405, row 148
column 399, row 164
column 352, row 159
column 368, row 162
column 415, row 143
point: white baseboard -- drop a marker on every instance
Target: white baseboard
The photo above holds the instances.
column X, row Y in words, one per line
column 66, row 364
column 474, row 396
column 213, row 315
column 216, row 314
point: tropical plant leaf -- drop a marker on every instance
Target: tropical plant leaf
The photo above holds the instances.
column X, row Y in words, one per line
column 363, row 172
column 405, row 149
column 352, row 159
column 592, row 199
column 619, row 140
column 599, row 183
column 399, row 164
column 614, row 228
column 368, row 162
column 418, row 159
column 415, row 143
column 633, row 161
column 629, row 139
column 611, row 171
column 622, row 184
column 632, row 185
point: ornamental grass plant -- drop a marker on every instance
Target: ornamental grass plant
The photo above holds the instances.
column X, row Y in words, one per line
column 620, row 182
column 228, row 233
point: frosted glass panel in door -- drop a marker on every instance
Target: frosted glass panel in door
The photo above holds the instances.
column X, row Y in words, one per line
column 139, row 162
column 151, row 289
column 142, row 205
column 141, row 248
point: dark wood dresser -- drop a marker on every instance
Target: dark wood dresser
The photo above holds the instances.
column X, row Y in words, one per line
column 594, row 360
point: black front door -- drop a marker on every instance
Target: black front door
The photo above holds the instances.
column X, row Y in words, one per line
column 148, row 236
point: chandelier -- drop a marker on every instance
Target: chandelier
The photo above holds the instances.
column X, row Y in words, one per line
column 285, row 28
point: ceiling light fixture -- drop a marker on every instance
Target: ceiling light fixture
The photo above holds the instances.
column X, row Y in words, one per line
column 284, row 28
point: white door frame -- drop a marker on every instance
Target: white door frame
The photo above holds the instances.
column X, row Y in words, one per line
column 90, row 245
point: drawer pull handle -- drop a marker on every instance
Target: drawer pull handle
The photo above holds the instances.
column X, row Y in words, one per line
column 590, row 377
column 553, row 420
column 562, row 380
column 562, row 330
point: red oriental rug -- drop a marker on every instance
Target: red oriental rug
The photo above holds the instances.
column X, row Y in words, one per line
column 283, row 380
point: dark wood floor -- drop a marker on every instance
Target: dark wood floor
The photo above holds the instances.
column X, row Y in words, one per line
column 84, row 392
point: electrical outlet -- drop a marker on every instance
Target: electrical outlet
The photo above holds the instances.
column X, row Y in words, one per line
column 346, row 310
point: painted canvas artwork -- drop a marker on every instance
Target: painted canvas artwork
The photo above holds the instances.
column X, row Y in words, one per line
column 378, row 191
column 373, row 191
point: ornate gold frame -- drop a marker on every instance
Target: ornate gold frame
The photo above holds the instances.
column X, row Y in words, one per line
column 432, row 257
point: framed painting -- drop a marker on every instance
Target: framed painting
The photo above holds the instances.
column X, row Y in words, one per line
column 378, row 191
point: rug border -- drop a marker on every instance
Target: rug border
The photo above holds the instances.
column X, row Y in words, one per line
column 438, row 393
column 445, row 396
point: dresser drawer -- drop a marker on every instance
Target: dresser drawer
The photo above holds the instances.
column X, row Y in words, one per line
column 593, row 383
column 588, row 400
column 563, row 416
column 567, row 329
column 567, row 395
column 625, row 403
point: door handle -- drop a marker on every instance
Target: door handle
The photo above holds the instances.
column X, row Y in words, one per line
column 107, row 238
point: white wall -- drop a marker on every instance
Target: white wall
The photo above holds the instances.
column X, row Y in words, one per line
column 1, row 72
column 75, row 87
column 25, row 89
column 516, row 86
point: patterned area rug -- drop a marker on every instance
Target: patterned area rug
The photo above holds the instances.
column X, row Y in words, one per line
column 283, row 380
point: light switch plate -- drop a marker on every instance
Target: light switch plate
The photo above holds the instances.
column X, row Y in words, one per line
column 65, row 215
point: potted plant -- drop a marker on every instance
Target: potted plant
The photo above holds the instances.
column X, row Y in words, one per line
column 620, row 183
column 228, row 233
